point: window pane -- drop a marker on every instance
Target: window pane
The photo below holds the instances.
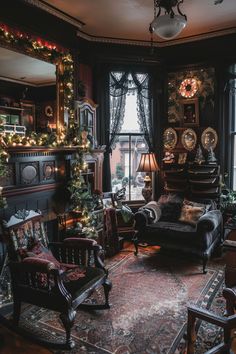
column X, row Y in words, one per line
column 124, row 163
column 130, row 124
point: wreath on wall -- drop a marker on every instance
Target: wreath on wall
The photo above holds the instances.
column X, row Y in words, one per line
column 48, row 111
column 188, row 88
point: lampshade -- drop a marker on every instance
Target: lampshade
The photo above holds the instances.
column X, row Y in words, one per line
column 168, row 27
column 148, row 163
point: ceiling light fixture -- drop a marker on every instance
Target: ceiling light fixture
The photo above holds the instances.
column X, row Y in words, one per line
column 169, row 24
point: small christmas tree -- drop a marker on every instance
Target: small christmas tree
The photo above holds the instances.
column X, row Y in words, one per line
column 81, row 198
column 211, row 159
column 199, row 158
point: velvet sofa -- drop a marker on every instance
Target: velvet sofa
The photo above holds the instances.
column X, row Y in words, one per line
column 177, row 224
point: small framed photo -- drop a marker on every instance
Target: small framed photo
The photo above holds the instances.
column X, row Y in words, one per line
column 182, row 158
column 190, row 112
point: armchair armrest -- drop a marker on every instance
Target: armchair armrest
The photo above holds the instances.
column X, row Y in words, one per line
column 82, row 243
column 34, row 264
column 209, row 221
column 146, row 215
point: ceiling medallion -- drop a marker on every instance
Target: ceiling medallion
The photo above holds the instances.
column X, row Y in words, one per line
column 188, row 88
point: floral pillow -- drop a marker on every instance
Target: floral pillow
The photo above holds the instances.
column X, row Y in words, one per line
column 191, row 214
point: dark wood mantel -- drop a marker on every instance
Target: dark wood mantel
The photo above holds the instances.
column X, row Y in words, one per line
column 38, row 176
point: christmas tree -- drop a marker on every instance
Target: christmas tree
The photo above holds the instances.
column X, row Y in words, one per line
column 199, row 158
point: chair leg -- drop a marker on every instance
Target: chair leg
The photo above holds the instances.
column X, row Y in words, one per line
column 205, row 259
column 68, row 319
column 16, row 311
column 107, row 285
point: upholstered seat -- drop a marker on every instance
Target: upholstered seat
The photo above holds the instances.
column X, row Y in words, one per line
column 199, row 236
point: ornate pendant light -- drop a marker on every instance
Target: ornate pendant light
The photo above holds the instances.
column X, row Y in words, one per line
column 169, row 24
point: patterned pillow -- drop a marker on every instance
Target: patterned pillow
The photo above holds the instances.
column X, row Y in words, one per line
column 71, row 271
column 191, row 214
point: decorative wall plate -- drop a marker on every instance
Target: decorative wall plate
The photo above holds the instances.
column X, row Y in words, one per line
column 189, row 139
column 209, row 138
column 188, row 88
column 169, row 139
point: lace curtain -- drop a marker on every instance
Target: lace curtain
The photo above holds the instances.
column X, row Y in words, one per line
column 122, row 83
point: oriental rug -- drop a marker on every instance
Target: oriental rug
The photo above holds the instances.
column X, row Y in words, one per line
column 149, row 301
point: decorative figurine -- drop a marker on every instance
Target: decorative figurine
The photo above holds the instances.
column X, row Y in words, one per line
column 211, row 159
column 199, row 158
column 169, row 157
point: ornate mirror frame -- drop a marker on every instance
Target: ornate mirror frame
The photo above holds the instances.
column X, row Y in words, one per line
column 183, row 139
column 41, row 49
column 171, row 144
column 212, row 144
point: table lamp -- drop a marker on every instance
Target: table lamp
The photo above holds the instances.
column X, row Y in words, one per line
column 147, row 164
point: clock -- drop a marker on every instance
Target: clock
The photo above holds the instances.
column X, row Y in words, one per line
column 188, row 88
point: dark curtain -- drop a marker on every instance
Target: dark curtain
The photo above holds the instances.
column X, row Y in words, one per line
column 112, row 98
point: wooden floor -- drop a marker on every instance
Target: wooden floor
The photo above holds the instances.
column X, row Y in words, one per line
column 11, row 343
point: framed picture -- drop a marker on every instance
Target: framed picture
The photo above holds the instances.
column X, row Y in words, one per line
column 190, row 112
column 182, row 158
column 28, row 116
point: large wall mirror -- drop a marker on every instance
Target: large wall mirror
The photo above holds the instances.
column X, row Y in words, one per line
column 36, row 84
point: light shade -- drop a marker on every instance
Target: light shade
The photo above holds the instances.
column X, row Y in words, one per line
column 148, row 163
column 168, row 27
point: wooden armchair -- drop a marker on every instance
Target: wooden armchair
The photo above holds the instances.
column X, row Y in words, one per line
column 227, row 323
column 59, row 280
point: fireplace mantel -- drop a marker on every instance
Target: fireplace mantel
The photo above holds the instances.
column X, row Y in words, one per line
column 36, row 174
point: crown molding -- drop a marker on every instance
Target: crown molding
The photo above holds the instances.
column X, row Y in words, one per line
column 91, row 38
column 55, row 12
column 157, row 44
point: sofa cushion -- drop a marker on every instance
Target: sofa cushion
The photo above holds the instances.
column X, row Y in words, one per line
column 170, row 211
column 191, row 214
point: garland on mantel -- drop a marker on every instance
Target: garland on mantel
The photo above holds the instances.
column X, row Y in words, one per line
column 81, row 198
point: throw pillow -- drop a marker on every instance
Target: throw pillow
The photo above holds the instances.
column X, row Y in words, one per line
column 207, row 207
column 191, row 214
column 39, row 251
column 71, row 271
column 170, row 211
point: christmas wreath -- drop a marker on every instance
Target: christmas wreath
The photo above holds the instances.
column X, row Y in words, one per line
column 188, row 88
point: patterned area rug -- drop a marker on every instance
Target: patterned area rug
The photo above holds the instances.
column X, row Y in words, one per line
column 149, row 307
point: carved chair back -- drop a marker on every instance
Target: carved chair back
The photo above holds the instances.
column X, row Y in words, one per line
column 22, row 230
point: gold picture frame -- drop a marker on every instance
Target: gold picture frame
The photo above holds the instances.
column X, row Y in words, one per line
column 189, row 139
column 190, row 112
column 169, row 139
column 209, row 138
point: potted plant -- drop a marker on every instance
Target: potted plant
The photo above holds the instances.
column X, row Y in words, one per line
column 228, row 203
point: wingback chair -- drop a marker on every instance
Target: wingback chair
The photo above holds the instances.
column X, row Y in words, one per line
column 58, row 280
